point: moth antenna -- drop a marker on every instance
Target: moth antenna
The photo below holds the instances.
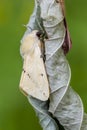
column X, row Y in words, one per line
column 30, row 28
column 27, row 27
column 24, row 25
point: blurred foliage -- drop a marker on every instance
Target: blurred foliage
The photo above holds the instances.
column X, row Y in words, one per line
column 15, row 111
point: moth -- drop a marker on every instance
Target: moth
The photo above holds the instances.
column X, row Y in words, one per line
column 34, row 81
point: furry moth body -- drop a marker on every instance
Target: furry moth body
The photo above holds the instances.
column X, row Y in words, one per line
column 34, row 80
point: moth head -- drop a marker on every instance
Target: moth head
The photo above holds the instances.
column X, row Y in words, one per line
column 41, row 35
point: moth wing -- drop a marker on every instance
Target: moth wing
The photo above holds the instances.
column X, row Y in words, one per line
column 34, row 80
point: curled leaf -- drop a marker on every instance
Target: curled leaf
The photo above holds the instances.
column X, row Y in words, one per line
column 64, row 104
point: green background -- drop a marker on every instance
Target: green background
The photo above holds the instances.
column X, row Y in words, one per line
column 15, row 111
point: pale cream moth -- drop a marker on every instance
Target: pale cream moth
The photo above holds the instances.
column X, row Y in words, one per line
column 34, row 80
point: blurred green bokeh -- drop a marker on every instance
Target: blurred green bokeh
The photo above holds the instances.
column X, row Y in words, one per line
column 15, row 111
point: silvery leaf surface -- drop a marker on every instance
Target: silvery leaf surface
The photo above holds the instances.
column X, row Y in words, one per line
column 41, row 109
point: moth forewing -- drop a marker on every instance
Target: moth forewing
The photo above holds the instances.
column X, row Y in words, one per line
column 34, row 80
